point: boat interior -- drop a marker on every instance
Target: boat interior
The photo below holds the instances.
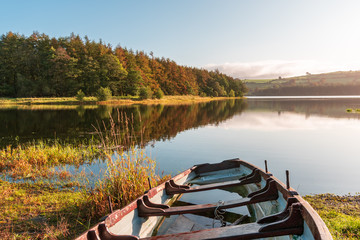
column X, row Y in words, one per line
column 228, row 200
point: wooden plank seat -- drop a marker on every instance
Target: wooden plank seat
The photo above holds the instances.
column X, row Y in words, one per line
column 288, row 222
column 172, row 188
column 212, row 167
column 147, row 209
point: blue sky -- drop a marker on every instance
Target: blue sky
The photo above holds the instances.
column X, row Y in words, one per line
column 247, row 39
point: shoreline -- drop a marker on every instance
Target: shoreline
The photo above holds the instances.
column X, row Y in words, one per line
column 91, row 101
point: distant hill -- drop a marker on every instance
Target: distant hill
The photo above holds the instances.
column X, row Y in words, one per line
column 334, row 83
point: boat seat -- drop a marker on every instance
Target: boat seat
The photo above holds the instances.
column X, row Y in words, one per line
column 292, row 224
column 211, row 167
column 172, row 188
column 287, row 222
column 147, row 209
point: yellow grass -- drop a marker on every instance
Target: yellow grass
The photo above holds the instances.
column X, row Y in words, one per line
column 38, row 159
column 53, row 100
column 166, row 100
column 70, row 102
column 40, row 211
column 46, row 107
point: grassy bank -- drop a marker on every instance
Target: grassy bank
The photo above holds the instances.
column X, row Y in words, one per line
column 41, row 211
column 39, row 197
column 44, row 211
column 51, row 203
column 169, row 100
column 341, row 214
column 50, row 101
column 64, row 209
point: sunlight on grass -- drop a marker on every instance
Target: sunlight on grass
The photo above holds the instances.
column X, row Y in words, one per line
column 38, row 159
column 61, row 209
column 341, row 214
column 39, row 211
column 70, row 102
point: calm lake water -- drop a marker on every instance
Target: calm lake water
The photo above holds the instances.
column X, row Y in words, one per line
column 314, row 138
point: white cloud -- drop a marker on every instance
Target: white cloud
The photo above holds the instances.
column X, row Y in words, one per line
column 275, row 68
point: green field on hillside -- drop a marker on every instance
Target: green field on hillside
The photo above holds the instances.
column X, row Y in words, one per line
column 308, row 80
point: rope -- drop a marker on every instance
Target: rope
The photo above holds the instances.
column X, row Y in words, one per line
column 219, row 214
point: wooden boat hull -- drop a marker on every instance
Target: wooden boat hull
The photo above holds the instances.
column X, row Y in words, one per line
column 127, row 223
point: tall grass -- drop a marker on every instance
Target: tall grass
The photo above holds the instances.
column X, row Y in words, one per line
column 120, row 135
column 129, row 170
column 38, row 159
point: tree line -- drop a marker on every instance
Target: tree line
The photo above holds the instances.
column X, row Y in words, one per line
column 40, row 66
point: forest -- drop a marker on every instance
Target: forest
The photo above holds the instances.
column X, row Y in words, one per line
column 40, row 66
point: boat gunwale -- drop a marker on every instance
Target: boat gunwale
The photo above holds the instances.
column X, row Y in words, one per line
column 310, row 216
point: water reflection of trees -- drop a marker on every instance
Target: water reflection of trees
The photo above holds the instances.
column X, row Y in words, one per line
column 324, row 107
column 164, row 122
column 158, row 122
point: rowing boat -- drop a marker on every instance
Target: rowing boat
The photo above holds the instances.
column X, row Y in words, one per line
column 232, row 199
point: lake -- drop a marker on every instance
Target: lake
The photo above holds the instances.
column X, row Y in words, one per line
column 314, row 138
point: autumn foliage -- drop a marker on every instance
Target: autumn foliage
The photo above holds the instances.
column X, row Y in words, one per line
column 40, row 66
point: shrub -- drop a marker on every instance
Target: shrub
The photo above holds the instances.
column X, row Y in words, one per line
column 103, row 94
column 159, row 93
column 202, row 94
column 231, row 93
column 80, row 95
column 145, row 93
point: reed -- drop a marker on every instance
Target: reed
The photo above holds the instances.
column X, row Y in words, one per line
column 120, row 134
column 129, row 170
column 125, row 180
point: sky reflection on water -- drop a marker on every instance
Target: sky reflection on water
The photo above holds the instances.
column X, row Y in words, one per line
column 321, row 152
